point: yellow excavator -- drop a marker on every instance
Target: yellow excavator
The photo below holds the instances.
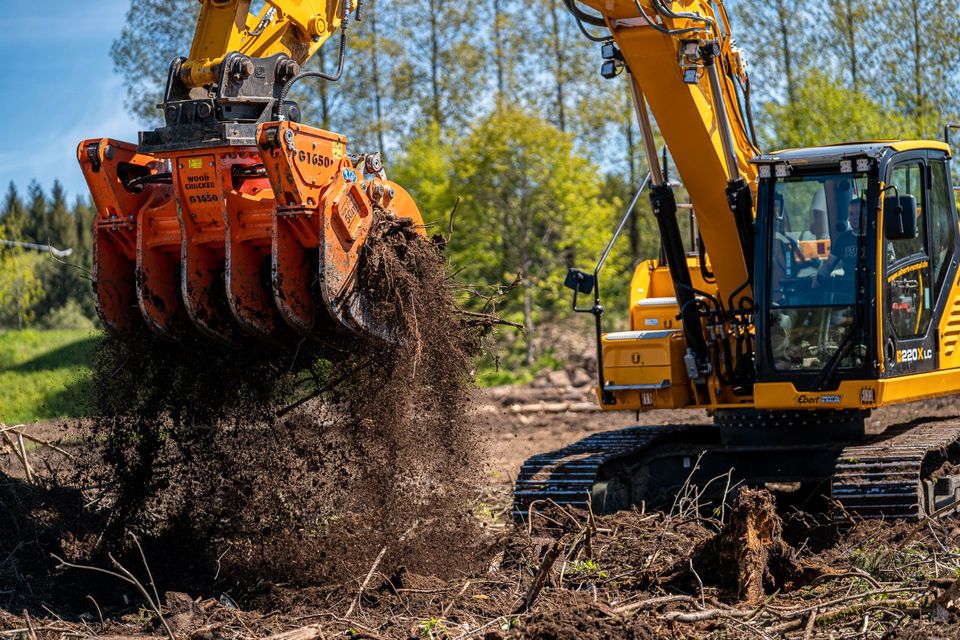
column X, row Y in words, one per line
column 821, row 284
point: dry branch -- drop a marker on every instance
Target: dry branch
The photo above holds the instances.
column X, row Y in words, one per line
column 312, row 632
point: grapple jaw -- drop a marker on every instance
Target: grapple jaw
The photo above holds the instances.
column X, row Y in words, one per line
column 237, row 244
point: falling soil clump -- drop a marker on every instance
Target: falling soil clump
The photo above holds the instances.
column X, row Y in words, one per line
column 300, row 469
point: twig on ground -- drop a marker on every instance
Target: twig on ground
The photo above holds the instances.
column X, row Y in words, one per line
column 32, row 632
column 856, row 573
column 312, row 632
column 366, row 582
column 97, row 607
column 125, row 575
column 541, row 578
column 703, row 600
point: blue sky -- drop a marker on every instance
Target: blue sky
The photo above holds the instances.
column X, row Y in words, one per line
column 59, row 88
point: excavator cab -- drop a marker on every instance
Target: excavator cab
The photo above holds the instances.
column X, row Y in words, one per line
column 876, row 305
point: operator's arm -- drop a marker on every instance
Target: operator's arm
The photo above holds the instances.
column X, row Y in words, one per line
column 825, row 269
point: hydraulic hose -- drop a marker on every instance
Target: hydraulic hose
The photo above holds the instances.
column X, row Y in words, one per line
column 661, row 29
column 580, row 17
column 344, row 25
column 663, row 10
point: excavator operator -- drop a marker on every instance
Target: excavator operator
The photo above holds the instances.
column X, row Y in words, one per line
column 843, row 251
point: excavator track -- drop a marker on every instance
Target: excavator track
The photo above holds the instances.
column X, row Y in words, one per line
column 891, row 476
column 910, row 471
column 567, row 476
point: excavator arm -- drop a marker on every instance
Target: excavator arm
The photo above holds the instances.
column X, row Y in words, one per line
column 233, row 222
column 685, row 71
column 293, row 28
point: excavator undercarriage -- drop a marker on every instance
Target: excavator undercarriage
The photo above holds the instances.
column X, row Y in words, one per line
column 909, row 471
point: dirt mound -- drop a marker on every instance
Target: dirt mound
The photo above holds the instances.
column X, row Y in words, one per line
column 231, row 481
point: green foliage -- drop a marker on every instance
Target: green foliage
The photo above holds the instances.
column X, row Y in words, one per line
column 426, row 169
column 530, row 205
column 45, row 374
column 827, row 112
column 34, row 284
column 13, row 216
column 20, row 288
column 511, row 367
column 433, row 628
column 908, row 87
column 69, row 316
column 586, row 569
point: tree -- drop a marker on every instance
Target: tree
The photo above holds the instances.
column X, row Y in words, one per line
column 155, row 33
column 528, row 200
column 35, row 225
column 441, row 66
column 828, row 112
column 781, row 41
column 20, row 289
column 426, row 169
column 922, row 62
column 61, row 228
column 13, row 216
column 847, row 24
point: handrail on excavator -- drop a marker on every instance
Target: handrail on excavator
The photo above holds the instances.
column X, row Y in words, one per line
column 581, row 283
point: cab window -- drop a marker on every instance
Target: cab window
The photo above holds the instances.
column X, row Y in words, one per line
column 942, row 226
column 908, row 275
column 908, row 180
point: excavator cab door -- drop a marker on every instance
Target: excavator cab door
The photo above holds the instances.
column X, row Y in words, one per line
column 918, row 270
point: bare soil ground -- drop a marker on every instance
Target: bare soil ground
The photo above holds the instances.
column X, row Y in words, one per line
column 566, row 575
column 200, row 505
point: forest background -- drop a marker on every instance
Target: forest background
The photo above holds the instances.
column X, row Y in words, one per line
column 497, row 109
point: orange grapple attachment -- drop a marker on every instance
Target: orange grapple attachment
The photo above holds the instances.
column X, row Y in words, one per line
column 134, row 267
column 249, row 222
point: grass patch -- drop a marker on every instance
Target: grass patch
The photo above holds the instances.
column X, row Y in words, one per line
column 513, row 368
column 46, row 374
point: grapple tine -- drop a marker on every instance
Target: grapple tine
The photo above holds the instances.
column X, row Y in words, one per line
column 199, row 183
column 114, row 285
column 249, row 221
column 293, row 270
column 114, row 229
column 301, row 162
column 158, row 261
column 347, row 219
